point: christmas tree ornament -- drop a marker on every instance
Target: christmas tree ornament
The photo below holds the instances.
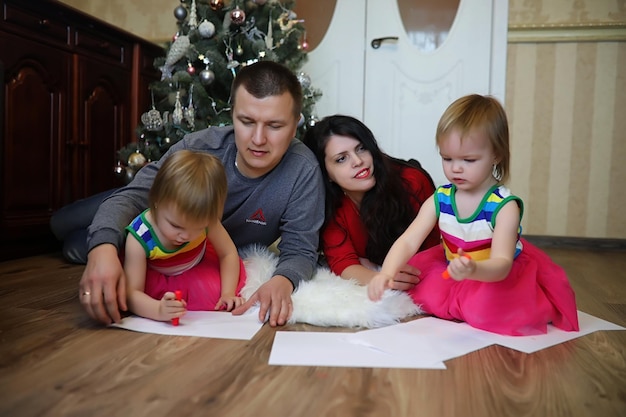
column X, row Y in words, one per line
column 207, row 76
column 232, row 63
column 304, row 45
column 136, row 160
column 269, row 38
column 239, row 50
column 206, row 29
column 237, row 16
column 152, row 119
column 193, row 17
column 177, row 51
column 191, row 69
column 180, row 13
column 216, row 5
column 129, row 174
column 118, row 170
column 189, row 111
column 305, row 80
column 287, row 19
column 177, row 114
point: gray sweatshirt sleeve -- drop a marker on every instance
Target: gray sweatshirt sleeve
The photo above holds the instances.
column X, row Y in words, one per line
column 301, row 223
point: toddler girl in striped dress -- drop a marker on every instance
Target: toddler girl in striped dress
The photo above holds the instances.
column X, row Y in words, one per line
column 484, row 272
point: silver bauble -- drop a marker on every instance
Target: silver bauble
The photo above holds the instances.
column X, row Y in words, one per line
column 207, row 76
column 180, row 13
column 206, row 29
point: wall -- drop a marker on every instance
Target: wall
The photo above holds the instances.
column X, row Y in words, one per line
column 566, row 100
column 151, row 19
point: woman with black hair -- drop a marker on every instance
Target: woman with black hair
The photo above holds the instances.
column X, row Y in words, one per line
column 371, row 198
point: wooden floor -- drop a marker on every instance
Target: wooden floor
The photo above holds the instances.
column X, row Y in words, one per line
column 54, row 361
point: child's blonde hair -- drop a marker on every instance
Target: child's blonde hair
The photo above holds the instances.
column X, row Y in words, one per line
column 195, row 183
column 480, row 112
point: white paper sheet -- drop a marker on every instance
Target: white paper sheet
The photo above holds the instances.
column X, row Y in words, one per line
column 529, row 344
column 432, row 339
column 335, row 349
column 453, row 339
column 215, row 324
column 423, row 343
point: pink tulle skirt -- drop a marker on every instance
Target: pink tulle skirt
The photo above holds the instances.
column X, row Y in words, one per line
column 201, row 285
column 536, row 292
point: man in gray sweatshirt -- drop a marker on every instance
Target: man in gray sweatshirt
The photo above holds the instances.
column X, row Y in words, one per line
column 275, row 190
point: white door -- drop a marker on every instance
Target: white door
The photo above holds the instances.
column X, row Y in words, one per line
column 400, row 87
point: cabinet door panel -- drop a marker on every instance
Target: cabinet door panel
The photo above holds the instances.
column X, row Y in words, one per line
column 103, row 124
column 34, row 134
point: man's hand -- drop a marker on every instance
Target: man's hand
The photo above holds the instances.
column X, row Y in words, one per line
column 102, row 288
column 275, row 296
column 406, row 279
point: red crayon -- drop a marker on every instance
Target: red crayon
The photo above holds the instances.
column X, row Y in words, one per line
column 179, row 296
column 445, row 274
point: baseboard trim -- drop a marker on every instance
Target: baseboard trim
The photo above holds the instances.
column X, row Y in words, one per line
column 577, row 242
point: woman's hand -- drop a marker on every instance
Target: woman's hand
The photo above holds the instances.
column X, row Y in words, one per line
column 406, row 279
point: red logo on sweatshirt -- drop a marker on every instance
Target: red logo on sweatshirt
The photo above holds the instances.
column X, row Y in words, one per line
column 257, row 217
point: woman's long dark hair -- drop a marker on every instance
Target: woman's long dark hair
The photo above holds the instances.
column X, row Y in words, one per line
column 387, row 209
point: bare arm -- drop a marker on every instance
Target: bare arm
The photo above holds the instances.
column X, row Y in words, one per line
column 139, row 302
column 403, row 248
column 229, row 266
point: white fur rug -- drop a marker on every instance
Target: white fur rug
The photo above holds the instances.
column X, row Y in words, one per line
column 329, row 300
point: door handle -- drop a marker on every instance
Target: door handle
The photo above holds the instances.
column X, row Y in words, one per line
column 377, row 41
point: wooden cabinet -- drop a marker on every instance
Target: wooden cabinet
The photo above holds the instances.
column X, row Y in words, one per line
column 73, row 91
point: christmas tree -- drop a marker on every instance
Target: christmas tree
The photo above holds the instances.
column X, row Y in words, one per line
column 215, row 38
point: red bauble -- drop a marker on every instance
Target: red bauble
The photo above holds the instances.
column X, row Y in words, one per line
column 237, row 16
column 216, row 4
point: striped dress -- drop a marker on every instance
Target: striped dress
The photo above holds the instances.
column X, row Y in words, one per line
column 536, row 291
column 193, row 268
column 162, row 260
